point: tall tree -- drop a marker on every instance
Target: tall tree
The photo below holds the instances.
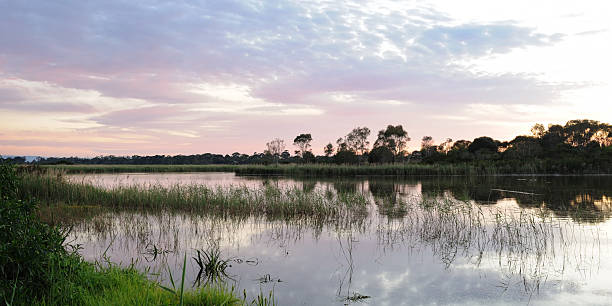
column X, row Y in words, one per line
column 302, row 141
column 538, row 130
column 446, row 146
column 427, row 142
column 342, row 146
column 579, row 133
column 483, row 143
column 275, row 148
column 394, row 138
column 357, row 140
column 328, row 150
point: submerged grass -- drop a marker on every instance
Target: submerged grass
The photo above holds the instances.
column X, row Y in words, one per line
column 528, row 245
column 270, row 201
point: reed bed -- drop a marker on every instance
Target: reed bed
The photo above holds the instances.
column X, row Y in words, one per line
column 329, row 170
column 73, row 169
column 467, row 168
column 270, row 201
column 448, row 222
column 528, row 246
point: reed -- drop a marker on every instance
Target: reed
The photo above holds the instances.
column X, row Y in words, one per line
column 270, row 201
column 331, row 170
column 72, row 169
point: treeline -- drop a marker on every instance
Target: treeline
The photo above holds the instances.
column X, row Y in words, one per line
column 577, row 145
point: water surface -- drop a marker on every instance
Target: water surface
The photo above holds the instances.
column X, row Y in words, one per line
column 395, row 255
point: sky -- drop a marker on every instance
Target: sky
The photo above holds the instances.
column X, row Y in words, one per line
column 88, row 78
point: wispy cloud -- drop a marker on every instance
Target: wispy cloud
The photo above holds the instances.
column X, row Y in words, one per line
column 226, row 69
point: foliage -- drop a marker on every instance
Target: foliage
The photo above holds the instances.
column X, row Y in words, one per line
column 8, row 180
column 380, row 155
column 328, row 150
column 275, row 147
column 394, row 138
column 302, row 141
column 29, row 250
column 357, row 140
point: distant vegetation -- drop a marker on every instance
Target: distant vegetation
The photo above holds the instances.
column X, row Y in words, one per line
column 579, row 146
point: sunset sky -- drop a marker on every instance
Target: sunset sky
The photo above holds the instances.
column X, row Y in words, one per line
column 89, row 78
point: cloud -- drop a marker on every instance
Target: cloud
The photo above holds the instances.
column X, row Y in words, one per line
column 207, row 68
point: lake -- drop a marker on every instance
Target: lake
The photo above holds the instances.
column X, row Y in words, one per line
column 501, row 240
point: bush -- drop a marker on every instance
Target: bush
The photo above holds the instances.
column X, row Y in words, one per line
column 8, row 180
column 29, row 249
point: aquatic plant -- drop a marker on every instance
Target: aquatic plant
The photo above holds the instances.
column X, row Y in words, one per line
column 271, row 201
column 212, row 266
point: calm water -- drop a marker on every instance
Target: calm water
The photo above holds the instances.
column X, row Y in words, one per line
column 396, row 257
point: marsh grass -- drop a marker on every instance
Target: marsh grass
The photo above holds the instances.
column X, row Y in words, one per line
column 330, row 170
column 73, row 169
column 53, row 188
column 529, row 246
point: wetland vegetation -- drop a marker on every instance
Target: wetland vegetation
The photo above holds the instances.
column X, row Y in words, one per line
column 337, row 229
column 39, row 265
column 530, row 236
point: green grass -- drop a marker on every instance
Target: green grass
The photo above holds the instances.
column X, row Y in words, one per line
column 269, row 201
column 91, row 284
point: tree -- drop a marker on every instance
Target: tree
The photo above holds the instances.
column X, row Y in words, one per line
column 275, row 147
column 578, row 133
column 346, row 157
column 426, row 142
column 602, row 137
column 380, row 155
column 357, row 140
column 461, row 145
column 523, row 147
column 328, row 150
column 302, row 141
column 446, row 146
column 483, row 144
column 538, row 130
column 394, row 138
column 342, row 146
column 308, row 157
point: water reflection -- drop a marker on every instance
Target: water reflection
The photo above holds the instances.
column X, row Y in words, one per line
column 425, row 241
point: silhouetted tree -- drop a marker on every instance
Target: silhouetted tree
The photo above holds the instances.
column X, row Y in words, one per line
column 328, row 150
column 427, row 142
column 380, row 155
column 394, row 138
column 275, row 148
column 445, row 146
column 483, row 143
column 308, row 157
column 302, row 141
column 357, row 140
